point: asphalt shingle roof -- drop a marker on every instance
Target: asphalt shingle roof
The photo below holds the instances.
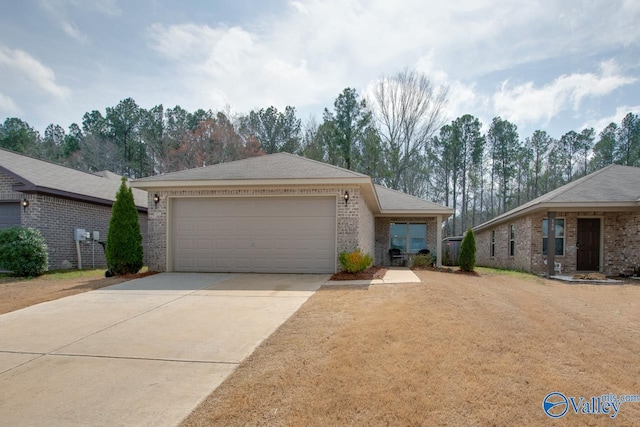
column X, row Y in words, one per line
column 60, row 179
column 272, row 166
column 392, row 200
column 286, row 167
column 611, row 185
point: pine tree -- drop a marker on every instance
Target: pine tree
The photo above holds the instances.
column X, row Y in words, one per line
column 124, row 240
column 468, row 251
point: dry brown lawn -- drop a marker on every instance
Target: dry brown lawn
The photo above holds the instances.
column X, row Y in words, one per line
column 18, row 293
column 453, row 350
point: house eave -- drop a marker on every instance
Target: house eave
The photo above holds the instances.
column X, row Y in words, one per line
column 561, row 207
column 217, row 183
column 415, row 213
column 34, row 189
column 365, row 184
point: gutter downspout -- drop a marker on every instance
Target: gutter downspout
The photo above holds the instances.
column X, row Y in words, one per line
column 551, row 244
column 439, row 241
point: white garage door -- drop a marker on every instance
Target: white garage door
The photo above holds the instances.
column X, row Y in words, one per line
column 259, row 235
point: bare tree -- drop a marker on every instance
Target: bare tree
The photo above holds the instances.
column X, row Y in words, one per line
column 409, row 111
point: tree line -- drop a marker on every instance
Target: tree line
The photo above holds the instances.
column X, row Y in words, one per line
column 397, row 135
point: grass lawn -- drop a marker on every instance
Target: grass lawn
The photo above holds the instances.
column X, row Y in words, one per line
column 17, row 293
column 453, row 350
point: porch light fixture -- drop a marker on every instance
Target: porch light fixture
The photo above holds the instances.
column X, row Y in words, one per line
column 346, row 197
column 156, row 199
column 25, row 204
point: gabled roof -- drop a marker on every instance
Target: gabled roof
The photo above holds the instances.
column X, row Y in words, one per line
column 613, row 187
column 38, row 176
column 269, row 167
column 289, row 169
column 397, row 202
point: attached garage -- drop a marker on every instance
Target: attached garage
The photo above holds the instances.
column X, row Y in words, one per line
column 294, row 234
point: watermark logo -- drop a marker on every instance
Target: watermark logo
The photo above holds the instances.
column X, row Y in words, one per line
column 556, row 404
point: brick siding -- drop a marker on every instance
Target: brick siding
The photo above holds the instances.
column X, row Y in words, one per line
column 521, row 259
column 353, row 219
column 57, row 218
column 620, row 243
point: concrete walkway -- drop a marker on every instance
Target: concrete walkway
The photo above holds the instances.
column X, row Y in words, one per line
column 393, row 275
column 141, row 353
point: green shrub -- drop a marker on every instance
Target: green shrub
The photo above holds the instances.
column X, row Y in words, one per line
column 468, row 251
column 422, row 260
column 23, row 251
column 354, row 262
column 124, row 240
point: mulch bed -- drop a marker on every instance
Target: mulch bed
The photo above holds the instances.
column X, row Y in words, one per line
column 447, row 270
column 374, row 272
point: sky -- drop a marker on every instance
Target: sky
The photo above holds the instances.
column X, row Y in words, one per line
column 550, row 65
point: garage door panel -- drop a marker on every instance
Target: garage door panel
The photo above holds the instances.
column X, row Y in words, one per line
column 295, row 234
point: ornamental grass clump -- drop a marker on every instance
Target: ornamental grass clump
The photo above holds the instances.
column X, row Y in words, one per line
column 355, row 262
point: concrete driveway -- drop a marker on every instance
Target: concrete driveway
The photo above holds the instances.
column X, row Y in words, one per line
column 143, row 352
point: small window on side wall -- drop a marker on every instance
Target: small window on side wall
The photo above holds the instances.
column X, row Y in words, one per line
column 512, row 240
column 493, row 243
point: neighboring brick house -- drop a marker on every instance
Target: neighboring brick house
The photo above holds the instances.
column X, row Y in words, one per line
column 597, row 227
column 280, row 213
column 58, row 200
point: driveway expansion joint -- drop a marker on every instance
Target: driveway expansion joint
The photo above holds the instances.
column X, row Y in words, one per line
column 152, row 359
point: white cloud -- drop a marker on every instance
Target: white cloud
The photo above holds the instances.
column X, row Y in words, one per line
column 231, row 65
column 59, row 11
column 526, row 103
column 8, row 106
column 599, row 124
column 73, row 32
column 309, row 52
column 26, row 65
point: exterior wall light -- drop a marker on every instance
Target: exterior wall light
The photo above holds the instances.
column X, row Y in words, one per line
column 25, row 204
column 346, row 197
column 156, row 199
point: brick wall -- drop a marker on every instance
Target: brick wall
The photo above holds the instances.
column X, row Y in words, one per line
column 382, row 225
column 6, row 184
column 521, row 259
column 6, row 188
column 349, row 217
column 620, row 243
column 366, row 229
column 57, row 219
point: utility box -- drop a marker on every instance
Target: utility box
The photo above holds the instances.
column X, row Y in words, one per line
column 80, row 235
column 96, row 236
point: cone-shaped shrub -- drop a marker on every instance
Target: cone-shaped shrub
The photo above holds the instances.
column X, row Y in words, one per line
column 468, row 251
column 124, row 240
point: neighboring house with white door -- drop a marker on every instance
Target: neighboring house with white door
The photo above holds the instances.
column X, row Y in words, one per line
column 57, row 200
column 280, row 213
column 597, row 227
